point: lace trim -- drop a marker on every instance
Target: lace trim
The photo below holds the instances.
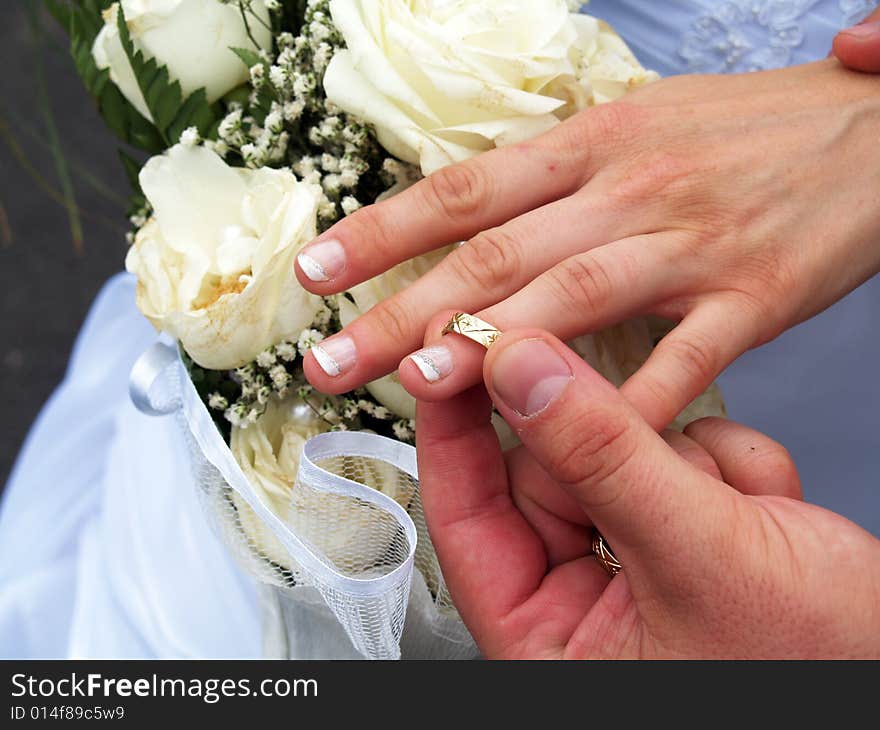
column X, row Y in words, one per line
column 754, row 35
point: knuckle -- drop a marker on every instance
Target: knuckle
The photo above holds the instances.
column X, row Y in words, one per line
column 656, row 175
column 607, row 126
column 583, row 281
column 491, row 261
column 780, row 469
column 373, row 231
column 697, row 354
column 459, row 191
column 394, row 321
column 591, row 449
column 612, row 123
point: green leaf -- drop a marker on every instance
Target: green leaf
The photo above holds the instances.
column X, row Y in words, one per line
column 60, row 11
column 195, row 112
column 171, row 113
column 83, row 20
column 248, row 57
column 132, row 170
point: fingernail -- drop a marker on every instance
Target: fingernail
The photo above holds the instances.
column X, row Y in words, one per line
column 336, row 355
column 433, row 362
column 322, row 261
column 863, row 31
column 529, row 375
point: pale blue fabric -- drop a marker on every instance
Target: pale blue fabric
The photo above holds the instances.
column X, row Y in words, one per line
column 104, row 550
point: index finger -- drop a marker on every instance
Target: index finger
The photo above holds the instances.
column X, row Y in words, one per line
column 451, row 205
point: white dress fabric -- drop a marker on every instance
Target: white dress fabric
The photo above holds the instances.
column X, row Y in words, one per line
column 105, row 550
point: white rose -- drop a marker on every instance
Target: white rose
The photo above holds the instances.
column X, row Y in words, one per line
column 191, row 38
column 610, row 66
column 443, row 80
column 215, row 262
column 343, row 529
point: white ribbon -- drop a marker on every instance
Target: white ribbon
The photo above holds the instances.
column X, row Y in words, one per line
column 146, row 376
column 160, row 385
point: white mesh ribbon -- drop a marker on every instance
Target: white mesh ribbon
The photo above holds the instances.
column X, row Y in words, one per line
column 348, row 569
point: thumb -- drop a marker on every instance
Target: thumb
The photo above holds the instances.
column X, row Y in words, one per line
column 649, row 502
column 858, row 47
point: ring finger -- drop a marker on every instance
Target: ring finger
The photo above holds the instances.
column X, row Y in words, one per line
column 485, row 270
column 582, row 294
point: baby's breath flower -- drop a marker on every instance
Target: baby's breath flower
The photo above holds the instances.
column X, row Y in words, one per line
column 327, row 209
column 348, row 178
column 278, row 77
column 218, row 147
column 266, row 358
column 190, row 137
column 307, row 340
column 251, row 155
column 274, row 120
column 245, row 374
column 284, row 40
column 404, row 430
column 293, row 110
column 236, row 414
column 323, row 317
column 286, row 351
column 280, row 377
column 329, row 162
column 217, row 402
column 349, row 409
column 258, row 75
column 230, row 129
column 349, row 204
column 332, row 184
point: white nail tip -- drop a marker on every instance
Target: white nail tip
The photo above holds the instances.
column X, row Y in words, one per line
column 327, row 363
column 312, row 268
column 427, row 367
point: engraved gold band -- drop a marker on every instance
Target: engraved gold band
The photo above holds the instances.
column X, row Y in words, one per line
column 605, row 555
column 473, row 328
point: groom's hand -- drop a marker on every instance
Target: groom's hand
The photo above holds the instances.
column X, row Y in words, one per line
column 858, row 47
column 691, row 199
column 721, row 558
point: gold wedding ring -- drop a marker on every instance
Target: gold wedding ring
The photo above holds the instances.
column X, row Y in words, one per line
column 473, row 328
column 605, row 555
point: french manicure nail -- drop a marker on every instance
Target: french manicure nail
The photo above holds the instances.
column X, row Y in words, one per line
column 434, row 362
column 864, row 30
column 322, row 261
column 529, row 375
column 336, row 355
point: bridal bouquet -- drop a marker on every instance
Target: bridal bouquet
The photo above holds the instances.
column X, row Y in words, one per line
column 250, row 126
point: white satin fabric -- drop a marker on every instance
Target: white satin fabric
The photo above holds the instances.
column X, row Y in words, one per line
column 105, row 551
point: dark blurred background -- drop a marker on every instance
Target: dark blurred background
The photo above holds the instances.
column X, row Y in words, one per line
column 52, row 261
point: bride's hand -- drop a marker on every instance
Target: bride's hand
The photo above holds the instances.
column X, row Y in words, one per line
column 739, row 205
column 859, row 47
column 720, row 557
